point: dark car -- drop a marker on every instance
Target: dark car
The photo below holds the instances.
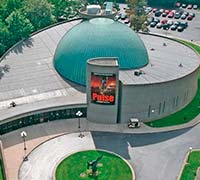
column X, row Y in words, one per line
column 173, row 27
column 149, row 20
column 157, row 13
column 183, row 24
column 180, row 29
column 156, row 20
column 166, row 26
column 153, row 24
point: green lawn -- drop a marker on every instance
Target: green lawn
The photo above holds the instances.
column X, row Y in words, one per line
column 1, row 170
column 111, row 167
column 189, row 171
column 189, row 112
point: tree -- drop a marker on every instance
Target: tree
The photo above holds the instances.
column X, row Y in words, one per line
column 8, row 6
column 65, row 8
column 4, row 37
column 18, row 25
column 137, row 15
column 39, row 12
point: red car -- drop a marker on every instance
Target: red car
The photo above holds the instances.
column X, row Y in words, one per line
column 171, row 15
column 167, row 11
column 189, row 18
column 164, row 21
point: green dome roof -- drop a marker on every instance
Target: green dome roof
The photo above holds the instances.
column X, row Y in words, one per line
column 99, row 37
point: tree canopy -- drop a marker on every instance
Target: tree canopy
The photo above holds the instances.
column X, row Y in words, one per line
column 137, row 14
column 19, row 18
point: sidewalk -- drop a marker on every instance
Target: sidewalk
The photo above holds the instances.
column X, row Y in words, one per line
column 37, row 134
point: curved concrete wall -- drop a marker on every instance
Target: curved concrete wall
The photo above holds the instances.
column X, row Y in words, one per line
column 154, row 101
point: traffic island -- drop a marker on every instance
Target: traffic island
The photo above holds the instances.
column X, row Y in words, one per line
column 94, row 164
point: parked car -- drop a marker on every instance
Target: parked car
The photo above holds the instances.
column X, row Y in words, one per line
column 156, row 20
column 180, row 29
column 126, row 21
column 178, row 4
column 184, row 24
column 183, row 5
column 152, row 24
column 177, row 23
column 159, row 25
column 189, row 18
column 192, row 14
column 183, row 16
column 170, row 22
column 148, row 10
column 154, row 10
column 177, row 15
column 166, row 26
column 149, row 20
column 189, row 6
column 167, row 11
column 164, row 21
column 157, row 13
column 164, row 14
column 123, row 16
column 117, row 17
column 161, row 10
column 186, row 13
column 171, row 15
column 195, row 6
column 173, row 27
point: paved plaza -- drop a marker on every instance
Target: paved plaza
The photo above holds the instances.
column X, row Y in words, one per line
column 145, row 148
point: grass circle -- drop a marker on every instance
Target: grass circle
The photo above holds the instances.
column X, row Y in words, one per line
column 111, row 167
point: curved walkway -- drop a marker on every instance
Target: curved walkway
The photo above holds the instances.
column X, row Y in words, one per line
column 42, row 161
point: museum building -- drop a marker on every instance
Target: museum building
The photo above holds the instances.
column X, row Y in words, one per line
column 122, row 80
column 106, row 70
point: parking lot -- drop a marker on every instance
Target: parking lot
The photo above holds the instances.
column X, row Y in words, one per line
column 191, row 32
column 178, row 22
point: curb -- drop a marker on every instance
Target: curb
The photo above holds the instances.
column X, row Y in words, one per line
column 185, row 162
column 132, row 170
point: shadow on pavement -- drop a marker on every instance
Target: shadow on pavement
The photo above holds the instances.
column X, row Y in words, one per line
column 119, row 142
column 19, row 48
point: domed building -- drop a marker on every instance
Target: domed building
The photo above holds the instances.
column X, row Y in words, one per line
column 99, row 37
column 124, row 78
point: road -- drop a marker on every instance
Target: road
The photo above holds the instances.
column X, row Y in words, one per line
column 154, row 156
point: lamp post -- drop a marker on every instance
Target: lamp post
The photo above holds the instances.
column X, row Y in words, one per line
column 24, row 135
column 79, row 114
